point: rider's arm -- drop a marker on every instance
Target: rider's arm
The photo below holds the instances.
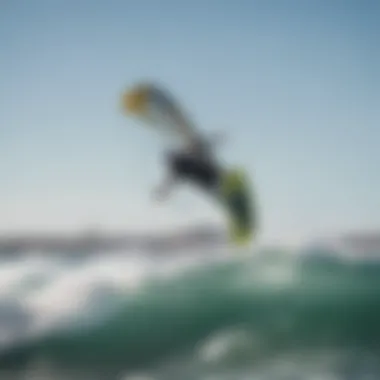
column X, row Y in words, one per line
column 164, row 189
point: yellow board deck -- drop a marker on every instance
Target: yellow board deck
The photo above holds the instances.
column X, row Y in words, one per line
column 237, row 199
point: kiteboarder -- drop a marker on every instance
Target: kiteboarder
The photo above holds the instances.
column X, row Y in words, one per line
column 194, row 164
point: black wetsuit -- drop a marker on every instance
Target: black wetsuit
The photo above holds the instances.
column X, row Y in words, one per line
column 203, row 172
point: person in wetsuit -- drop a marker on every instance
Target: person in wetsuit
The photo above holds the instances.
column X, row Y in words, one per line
column 194, row 164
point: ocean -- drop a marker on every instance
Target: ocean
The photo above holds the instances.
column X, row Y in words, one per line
column 265, row 314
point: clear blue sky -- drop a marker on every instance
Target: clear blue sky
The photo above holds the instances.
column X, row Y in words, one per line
column 296, row 85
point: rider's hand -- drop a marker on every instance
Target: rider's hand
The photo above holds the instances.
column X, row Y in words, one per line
column 160, row 194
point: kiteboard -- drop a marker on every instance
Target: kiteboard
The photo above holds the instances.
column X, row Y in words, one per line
column 236, row 196
column 159, row 111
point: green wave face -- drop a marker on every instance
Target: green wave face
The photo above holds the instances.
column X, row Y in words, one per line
column 263, row 307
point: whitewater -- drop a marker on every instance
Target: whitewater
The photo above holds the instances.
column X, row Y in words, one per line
column 265, row 314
